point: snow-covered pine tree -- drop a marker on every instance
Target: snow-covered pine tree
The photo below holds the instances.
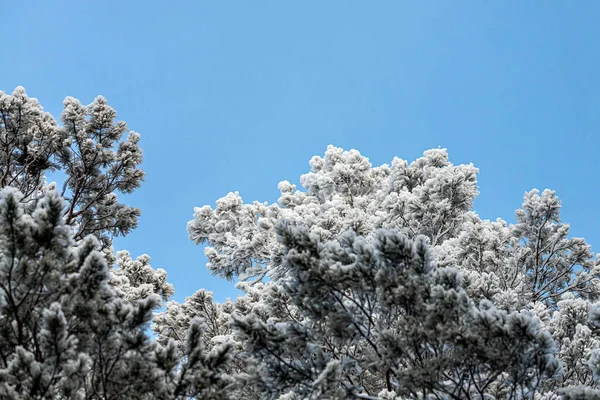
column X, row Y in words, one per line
column 376, row 318
column 531, row 268
column 343, row 191
column 534, row 265
column 66, row 334
column 96, row 165
column 87, row 148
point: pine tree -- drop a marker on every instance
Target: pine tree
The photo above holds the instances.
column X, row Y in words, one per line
column 376, row 316
column 96, row 166
column 87, row 149
column 531, row 271
column 66, row 334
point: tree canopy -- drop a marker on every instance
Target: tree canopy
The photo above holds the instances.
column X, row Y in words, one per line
column 367, row 282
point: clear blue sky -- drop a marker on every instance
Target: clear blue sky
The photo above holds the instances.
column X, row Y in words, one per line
column 239, row 95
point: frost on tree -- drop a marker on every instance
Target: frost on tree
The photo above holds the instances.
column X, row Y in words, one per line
column 530, row 270
column 534, row 265
column 97, row 165
column 66, row 334
column 87, row 148
column 343, row 191
column 136, row 279
column 533, row 261
column 375, row 315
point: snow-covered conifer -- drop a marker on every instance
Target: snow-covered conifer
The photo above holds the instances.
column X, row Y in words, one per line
column 66, row 334
column 343, row 191
column 529, row 271
column 136, row 279
column 375, row 314
column 87, row 148
column 95, row 164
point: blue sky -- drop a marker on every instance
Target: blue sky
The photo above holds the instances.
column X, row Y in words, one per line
column 240, row 95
